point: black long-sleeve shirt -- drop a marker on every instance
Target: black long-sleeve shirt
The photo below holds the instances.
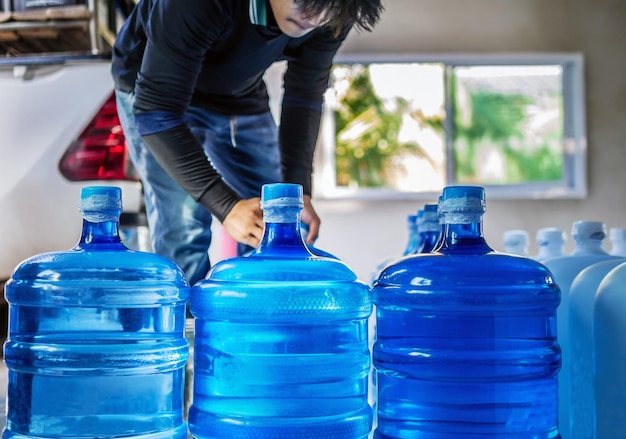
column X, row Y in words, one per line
column 209, row 53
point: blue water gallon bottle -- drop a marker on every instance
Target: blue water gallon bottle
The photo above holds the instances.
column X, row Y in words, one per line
column 550, row 243
column 281, row 339
column 581, row 299
column 96, row 345
column 516, row 242
column 429, row 229
column 466, row 337
column 588, row 237
column 414, row 238
column 609, row 339
column 413, row 243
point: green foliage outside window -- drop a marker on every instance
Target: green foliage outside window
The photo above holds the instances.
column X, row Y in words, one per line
column 486, row 124
column 367, row 134
column 498, row 121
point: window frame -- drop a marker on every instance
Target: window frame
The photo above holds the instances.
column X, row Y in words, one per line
column 573, row 185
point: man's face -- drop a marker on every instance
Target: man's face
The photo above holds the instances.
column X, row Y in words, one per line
column 290, row 19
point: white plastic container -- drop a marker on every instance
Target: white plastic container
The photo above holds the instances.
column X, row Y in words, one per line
column 581, row 296
column 609, row 337
column 551, row 243
column 516, row 242
column 588, row 237
column 617, row 238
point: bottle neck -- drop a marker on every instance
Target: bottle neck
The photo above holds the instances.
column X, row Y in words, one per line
column 282, row 232
column 413, row 242
column 100, row 227
column 549, row 251
column 429, row 242
column 619, row 247
column 588, row 246
column 463, row 233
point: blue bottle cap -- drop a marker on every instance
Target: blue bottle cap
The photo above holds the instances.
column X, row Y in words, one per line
column 465, row 199
column 463, row 192
column 430, row 216
column 282, row 194
column 101, row 198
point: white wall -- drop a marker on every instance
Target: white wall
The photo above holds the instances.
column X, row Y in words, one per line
column 365, row 233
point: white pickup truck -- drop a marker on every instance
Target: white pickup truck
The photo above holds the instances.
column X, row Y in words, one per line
column 58, row 124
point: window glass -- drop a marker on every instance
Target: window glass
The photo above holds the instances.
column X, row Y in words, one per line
column 388, row 126
column 408, row 127
column 508, row 125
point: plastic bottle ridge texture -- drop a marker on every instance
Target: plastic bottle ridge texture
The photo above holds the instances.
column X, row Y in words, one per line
column 281, row 339
column 466, row 337
column 96, row 344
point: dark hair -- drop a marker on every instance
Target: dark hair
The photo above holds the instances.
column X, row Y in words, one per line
column 363, row 14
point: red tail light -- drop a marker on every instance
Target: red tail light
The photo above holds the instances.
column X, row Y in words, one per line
column 100, row 151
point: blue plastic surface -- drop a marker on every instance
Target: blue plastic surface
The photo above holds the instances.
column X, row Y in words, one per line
column 466, row 338
column 96, row 345
column 429, row 229
column 414, row 241
column 281, row 341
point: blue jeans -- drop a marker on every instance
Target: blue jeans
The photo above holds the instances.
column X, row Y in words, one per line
column 243, row 149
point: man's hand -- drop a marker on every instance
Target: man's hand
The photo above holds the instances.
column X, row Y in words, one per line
column 310, row 218
column 244, row 223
